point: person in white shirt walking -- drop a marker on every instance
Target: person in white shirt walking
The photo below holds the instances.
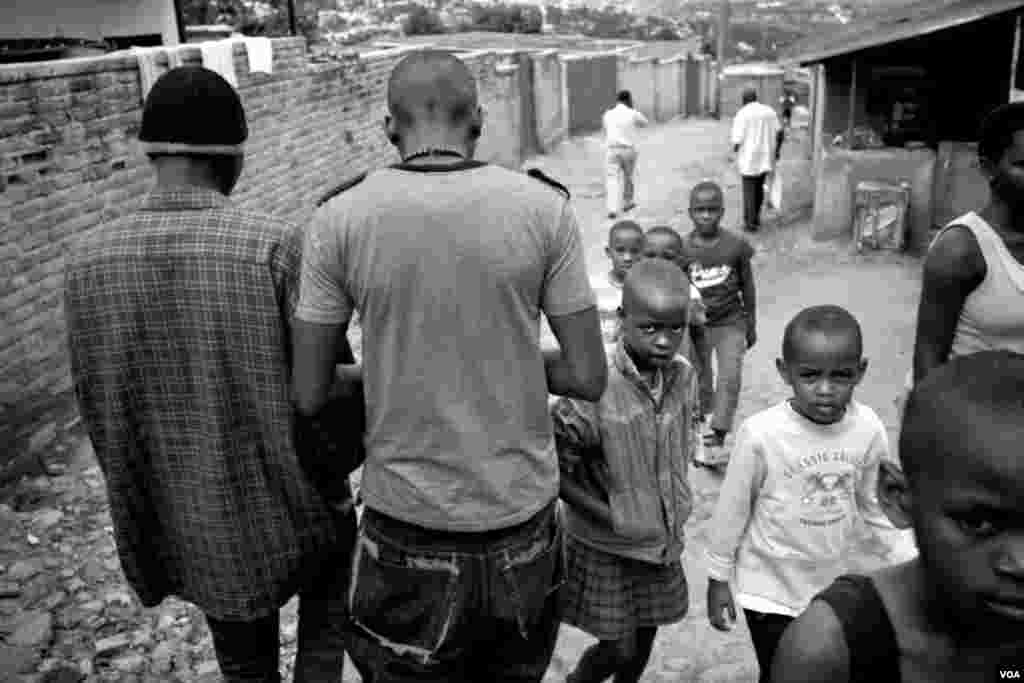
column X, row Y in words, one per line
column 757, row 139
column 620, row 130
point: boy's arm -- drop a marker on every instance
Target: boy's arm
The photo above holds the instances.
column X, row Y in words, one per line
column 735, row 507
column 812, row 649
column 641, row 120
column 749, row 293
column 577, row 435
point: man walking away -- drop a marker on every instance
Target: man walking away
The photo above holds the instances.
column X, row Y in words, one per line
column 757, row 142
column 450, row 263
column 178, row 319
column 620, row 130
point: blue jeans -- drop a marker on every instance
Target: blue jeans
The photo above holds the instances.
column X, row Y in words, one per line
column 721, row 392
column 439, row 606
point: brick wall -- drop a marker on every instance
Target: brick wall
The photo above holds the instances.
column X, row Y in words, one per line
column 69, row 161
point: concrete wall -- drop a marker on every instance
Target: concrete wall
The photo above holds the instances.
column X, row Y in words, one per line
column 769, row 90
column 841, row 170
column 547, row 97
column 668, row 100
column 95, row 20
column 591, row 82
column 638, row 77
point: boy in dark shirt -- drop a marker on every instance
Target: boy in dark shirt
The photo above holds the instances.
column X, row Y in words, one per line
column 718, row 263
column 955, row 614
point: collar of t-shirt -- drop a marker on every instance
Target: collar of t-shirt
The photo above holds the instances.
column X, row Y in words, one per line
column 463, row 165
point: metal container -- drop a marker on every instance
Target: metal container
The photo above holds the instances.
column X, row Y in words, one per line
column 880, row 215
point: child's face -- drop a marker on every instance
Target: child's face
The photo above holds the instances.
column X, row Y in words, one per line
column 653, row 329
column 823, row 372
column 968, row 517
column 658, row 245
column 624, row 250
column 706, row 211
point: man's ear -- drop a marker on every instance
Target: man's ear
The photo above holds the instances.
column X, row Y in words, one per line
column 390, row 130
column 894, row 495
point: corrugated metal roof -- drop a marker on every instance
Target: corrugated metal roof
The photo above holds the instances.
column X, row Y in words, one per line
column 909, row 21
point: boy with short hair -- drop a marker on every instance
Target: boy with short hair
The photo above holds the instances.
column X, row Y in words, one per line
column 718, row 263
column 625, row 247
column 802, row 477
column 956, row 612
column 624, row 461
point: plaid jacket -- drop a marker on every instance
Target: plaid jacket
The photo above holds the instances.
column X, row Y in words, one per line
column 647, row 446
column 178, row 319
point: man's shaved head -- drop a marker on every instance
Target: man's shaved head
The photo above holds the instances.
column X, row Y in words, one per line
column 972, row 407
column 654, row 281
column 432, row 86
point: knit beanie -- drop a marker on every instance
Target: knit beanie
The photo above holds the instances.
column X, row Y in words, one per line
column 193, row 110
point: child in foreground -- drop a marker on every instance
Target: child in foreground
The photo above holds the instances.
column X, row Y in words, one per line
column 956, row 612
column 718, row 262
column 802, row 475
column 625, row 243
column 624, row 484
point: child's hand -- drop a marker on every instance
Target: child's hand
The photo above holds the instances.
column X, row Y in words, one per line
column 720, row 602
column 751, row 337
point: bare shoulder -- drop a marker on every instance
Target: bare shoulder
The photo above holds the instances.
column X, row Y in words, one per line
column 812, row 649
column 955, row 255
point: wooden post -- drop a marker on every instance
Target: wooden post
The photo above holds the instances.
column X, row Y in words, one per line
column 291, row 18
column 723, row 44
column 1015, row 59
column 179, row 17
column 853, row 101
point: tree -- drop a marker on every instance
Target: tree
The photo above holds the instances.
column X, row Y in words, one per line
column 422, row 21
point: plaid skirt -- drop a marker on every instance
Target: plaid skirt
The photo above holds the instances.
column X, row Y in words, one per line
column 610, row 597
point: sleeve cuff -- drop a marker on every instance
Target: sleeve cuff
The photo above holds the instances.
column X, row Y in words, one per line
column 718, row 568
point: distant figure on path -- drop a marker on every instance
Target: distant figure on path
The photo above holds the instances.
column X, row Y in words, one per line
column 178, row 320
column 620, row 131
column 787, row 102
column 450, row 263
column 972, row 295
column 718, row 263
column 757, row 142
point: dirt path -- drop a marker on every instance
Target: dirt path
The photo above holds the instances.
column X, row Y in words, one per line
column 64, row 607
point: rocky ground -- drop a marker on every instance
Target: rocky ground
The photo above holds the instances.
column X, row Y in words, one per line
column 67, row 615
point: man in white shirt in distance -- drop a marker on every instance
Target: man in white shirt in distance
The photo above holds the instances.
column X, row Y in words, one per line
column 757, row 139
column 620, row 130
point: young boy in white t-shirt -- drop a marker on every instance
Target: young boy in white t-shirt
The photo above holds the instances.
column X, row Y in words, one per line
column 802, row 477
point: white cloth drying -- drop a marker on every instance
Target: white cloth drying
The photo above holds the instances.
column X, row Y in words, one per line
column 219, row 56
column 148, row 69
column 261, row 54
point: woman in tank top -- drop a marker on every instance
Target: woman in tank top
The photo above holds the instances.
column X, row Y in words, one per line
column 972, row 296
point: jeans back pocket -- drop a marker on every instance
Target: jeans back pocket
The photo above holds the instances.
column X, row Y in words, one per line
column 530, row 576
column 405, row 601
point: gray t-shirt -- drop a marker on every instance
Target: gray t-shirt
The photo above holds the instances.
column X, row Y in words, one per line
column 450, row 271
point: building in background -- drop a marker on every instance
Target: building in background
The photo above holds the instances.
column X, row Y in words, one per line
column 118, row 22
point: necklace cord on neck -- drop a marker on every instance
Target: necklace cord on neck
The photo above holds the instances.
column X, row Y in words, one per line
column 433, row 152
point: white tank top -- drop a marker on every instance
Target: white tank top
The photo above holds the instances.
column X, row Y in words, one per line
column 992, row 317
